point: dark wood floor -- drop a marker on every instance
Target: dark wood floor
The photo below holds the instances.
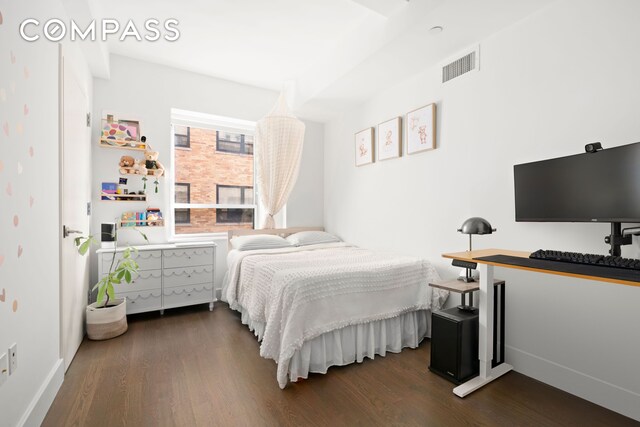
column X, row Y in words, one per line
column 193, row 367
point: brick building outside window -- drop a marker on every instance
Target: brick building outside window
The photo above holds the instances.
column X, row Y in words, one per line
column 213, row 180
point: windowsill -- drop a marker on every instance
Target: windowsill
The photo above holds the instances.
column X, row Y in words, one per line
column 203, row 237
column 183, row 148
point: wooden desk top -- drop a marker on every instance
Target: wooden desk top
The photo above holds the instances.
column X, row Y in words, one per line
column 471, row 256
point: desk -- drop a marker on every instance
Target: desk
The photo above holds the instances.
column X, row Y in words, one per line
column 485, row 267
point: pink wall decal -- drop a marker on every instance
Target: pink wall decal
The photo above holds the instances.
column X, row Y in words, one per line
column 3, row 295
column 25, row 109
column 19, row 128
column 31, row 151
column 16, row 220
column 9, row 190
column 31, row 200
column 1, row 260
column 1, row 18
column 15, row 305
column 13, row 57
column 26, row 72
column 20, row 250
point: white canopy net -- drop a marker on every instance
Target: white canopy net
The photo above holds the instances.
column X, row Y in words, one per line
column 278, row 149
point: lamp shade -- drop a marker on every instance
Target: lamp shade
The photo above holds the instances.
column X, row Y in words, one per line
column 476, row 225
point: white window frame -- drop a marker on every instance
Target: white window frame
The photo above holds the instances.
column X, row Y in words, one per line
column 213, row 122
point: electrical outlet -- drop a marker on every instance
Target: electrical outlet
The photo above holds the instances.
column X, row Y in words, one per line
column 13, row 358
column 4, row 369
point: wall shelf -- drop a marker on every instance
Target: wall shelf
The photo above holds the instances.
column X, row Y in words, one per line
column 123, row 197
column 122, row 145
column 141, row 223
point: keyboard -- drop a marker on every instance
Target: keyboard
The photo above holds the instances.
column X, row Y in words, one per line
column 588, row 259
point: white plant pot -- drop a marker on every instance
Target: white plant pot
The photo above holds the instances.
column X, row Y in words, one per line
column 108, row 322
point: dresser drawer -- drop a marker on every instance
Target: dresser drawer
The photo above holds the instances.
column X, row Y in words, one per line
column 187, row 276
column 144, row 280
column 188, row 257
column 188, row 295
column 138, row 302
column 147, row 260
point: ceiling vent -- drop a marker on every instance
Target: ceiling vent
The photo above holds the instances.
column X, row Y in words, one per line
column 463, row 65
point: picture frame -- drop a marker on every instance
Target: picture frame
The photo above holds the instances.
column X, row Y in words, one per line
column 421, row 129
column 364, row 147
column 121, row 131
column 390, row 139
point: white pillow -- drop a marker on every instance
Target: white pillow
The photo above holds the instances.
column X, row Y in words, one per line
column 305, row 238
column 259, row 241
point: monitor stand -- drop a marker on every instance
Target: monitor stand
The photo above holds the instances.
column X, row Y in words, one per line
column 616, row 239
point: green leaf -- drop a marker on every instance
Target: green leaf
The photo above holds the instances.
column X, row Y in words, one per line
column 127, row 276
column 111, row 292
column 84, row 247
column 120, row 274
column 101, row 293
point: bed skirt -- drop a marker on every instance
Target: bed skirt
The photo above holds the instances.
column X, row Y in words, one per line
column 353, row 343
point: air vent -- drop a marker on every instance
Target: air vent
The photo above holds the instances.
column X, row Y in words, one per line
column 459, row 67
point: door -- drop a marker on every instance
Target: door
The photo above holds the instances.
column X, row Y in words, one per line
column 75, row 194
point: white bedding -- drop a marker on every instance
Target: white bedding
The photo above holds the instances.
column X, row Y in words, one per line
column 301, row 293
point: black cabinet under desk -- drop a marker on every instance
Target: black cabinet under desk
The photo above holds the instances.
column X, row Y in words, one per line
column 454, row 334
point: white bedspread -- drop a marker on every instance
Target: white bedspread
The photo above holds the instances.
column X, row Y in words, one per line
column 301, row 293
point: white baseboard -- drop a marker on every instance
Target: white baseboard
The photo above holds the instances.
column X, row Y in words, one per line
column 39, row 406
column 600, row 392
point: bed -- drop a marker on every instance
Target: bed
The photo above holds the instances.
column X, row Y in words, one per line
column 328, row 304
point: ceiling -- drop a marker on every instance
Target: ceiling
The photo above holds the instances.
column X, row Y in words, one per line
column 335, row 53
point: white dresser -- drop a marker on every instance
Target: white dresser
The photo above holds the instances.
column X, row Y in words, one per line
column 171, row 275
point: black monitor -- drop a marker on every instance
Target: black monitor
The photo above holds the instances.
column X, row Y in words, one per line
column 603, row 186
column 600, row 186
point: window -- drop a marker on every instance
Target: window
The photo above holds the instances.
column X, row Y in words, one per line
column 214, row 189
column 234, row 143
column 183, row 195
column 181, row 136
column 234, row 195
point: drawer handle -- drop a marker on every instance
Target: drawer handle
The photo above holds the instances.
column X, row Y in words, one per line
column 133, row 302
column 189, row 275
column 188, row 295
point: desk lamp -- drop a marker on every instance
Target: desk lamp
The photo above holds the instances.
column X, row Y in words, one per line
column 475, row 225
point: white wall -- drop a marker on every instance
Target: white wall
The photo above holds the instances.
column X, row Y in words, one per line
column 563, row 77
column 34, row 325
column 148, row 92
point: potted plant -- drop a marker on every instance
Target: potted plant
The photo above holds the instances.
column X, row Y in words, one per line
column 107, row 316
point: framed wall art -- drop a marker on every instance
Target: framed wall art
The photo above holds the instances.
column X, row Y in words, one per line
column 421, row 129
column 364, row 147
column 390, row 139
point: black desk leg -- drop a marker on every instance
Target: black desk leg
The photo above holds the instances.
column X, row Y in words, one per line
column 494, row 361
column 502, row 322
column 498, row 360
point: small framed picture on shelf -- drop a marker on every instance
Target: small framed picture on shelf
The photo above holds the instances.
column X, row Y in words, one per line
column 421, row 129
column 120, row 132
column 364, row 147
column 390, row 139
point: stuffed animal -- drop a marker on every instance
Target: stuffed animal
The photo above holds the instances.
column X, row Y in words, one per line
column 128, row 165
column 150, row 164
